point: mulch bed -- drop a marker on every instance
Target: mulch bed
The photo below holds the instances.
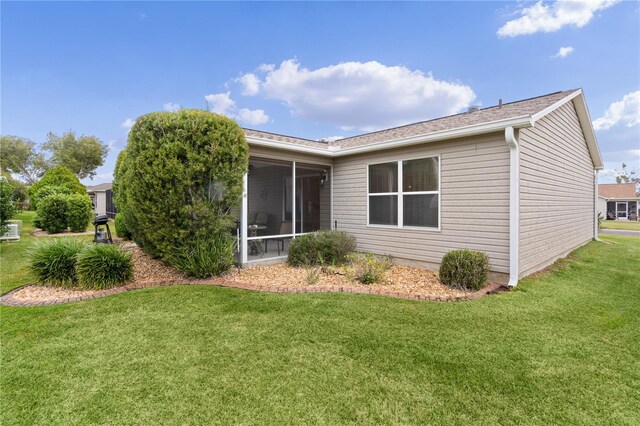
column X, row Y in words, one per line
column 42, row 233
column 399, row 281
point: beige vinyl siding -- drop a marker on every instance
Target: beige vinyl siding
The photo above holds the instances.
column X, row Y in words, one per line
column 474, row 201
column 556, row 190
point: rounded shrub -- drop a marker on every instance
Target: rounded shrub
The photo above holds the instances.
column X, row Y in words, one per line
column 58, row 176
column 52, row 213
column 53, row 262
column 79, row 212
column 464, row 269
column 205, row 257
column 45, row 191
column 179, row 179
column 121, row 227
column 102, row 266
column 321, row 248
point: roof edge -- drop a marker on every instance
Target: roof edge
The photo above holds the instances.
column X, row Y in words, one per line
column 335, row 151
column 584, row 118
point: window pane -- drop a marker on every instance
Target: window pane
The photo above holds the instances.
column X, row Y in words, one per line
column 420, row 175
column 383, row 178
column 383, row 210
column 420, row 210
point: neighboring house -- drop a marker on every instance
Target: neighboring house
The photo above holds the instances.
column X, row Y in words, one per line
column 102, row 198
column 516, row 181
column 620, row 201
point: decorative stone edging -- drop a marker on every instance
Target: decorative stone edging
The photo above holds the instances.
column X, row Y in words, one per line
column 8, row 298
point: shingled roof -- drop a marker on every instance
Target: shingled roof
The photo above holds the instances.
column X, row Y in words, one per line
column 617, row 190
column 525, row 107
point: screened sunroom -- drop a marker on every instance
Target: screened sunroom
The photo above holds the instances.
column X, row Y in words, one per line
column 282, row 200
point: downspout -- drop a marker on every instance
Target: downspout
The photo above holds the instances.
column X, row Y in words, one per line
column 595, row 205
column 514, row 205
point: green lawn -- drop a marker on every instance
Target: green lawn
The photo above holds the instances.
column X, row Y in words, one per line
column 621, row 224
column 563, row 348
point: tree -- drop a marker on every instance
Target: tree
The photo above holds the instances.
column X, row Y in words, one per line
column 7, row 205
column 19, row 156
column 82, row 155
column 20, row 189
column 58, row 176
column 628, row 176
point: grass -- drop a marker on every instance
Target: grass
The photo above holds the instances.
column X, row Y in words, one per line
column 621, row 224
column 564, row 348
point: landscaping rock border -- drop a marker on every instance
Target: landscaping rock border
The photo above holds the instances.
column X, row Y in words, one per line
column 8, row 298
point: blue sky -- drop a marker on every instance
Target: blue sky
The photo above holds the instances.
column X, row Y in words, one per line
column 315, row 70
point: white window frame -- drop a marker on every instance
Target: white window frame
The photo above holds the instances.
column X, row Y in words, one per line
column 400, row 194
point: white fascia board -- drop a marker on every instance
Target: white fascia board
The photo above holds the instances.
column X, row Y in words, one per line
column 252, row 140
column 585, row 123
column 335, row 151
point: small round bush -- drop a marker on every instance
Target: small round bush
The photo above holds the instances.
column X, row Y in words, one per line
column 121, row 227
column 53, row 262
column 205, row 256
column 321, row 248
column 44, row 191
column 464, row 269
column 52, row 213
column 79, row 212
column 102, row 266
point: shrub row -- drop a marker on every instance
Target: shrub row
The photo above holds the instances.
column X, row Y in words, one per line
column 67, row 262
column 59, row 211
column 460, row 269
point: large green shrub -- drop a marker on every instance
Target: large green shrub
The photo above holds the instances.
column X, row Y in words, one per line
column 322, row 247
column 53, row 262
column 464, row 269
column 205, row 257
column 7, row 204
column 102, row 266
column 52, row 213
column 58, row 176
column 44, row 191
column 79, row 212
column 121, row 227
column 179, row 178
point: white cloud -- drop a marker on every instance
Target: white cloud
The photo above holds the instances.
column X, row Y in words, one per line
column 221, row 103
column 266, row 67
column 250, row 83
column 128, row 123
column 363, row 95
column 171, row 107
column 111, row 144
column 625, row 111
column 252, row 117
column 564, row 52
column 550, row 17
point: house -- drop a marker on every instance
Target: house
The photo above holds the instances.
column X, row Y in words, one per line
column 516, row 181
column 102, row 198
column 618, row 201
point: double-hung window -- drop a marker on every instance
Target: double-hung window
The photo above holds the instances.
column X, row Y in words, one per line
column 405, row 193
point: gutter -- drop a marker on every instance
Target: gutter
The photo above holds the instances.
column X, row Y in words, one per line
column 595, row 205
column 333, row 151
column 514, row 205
